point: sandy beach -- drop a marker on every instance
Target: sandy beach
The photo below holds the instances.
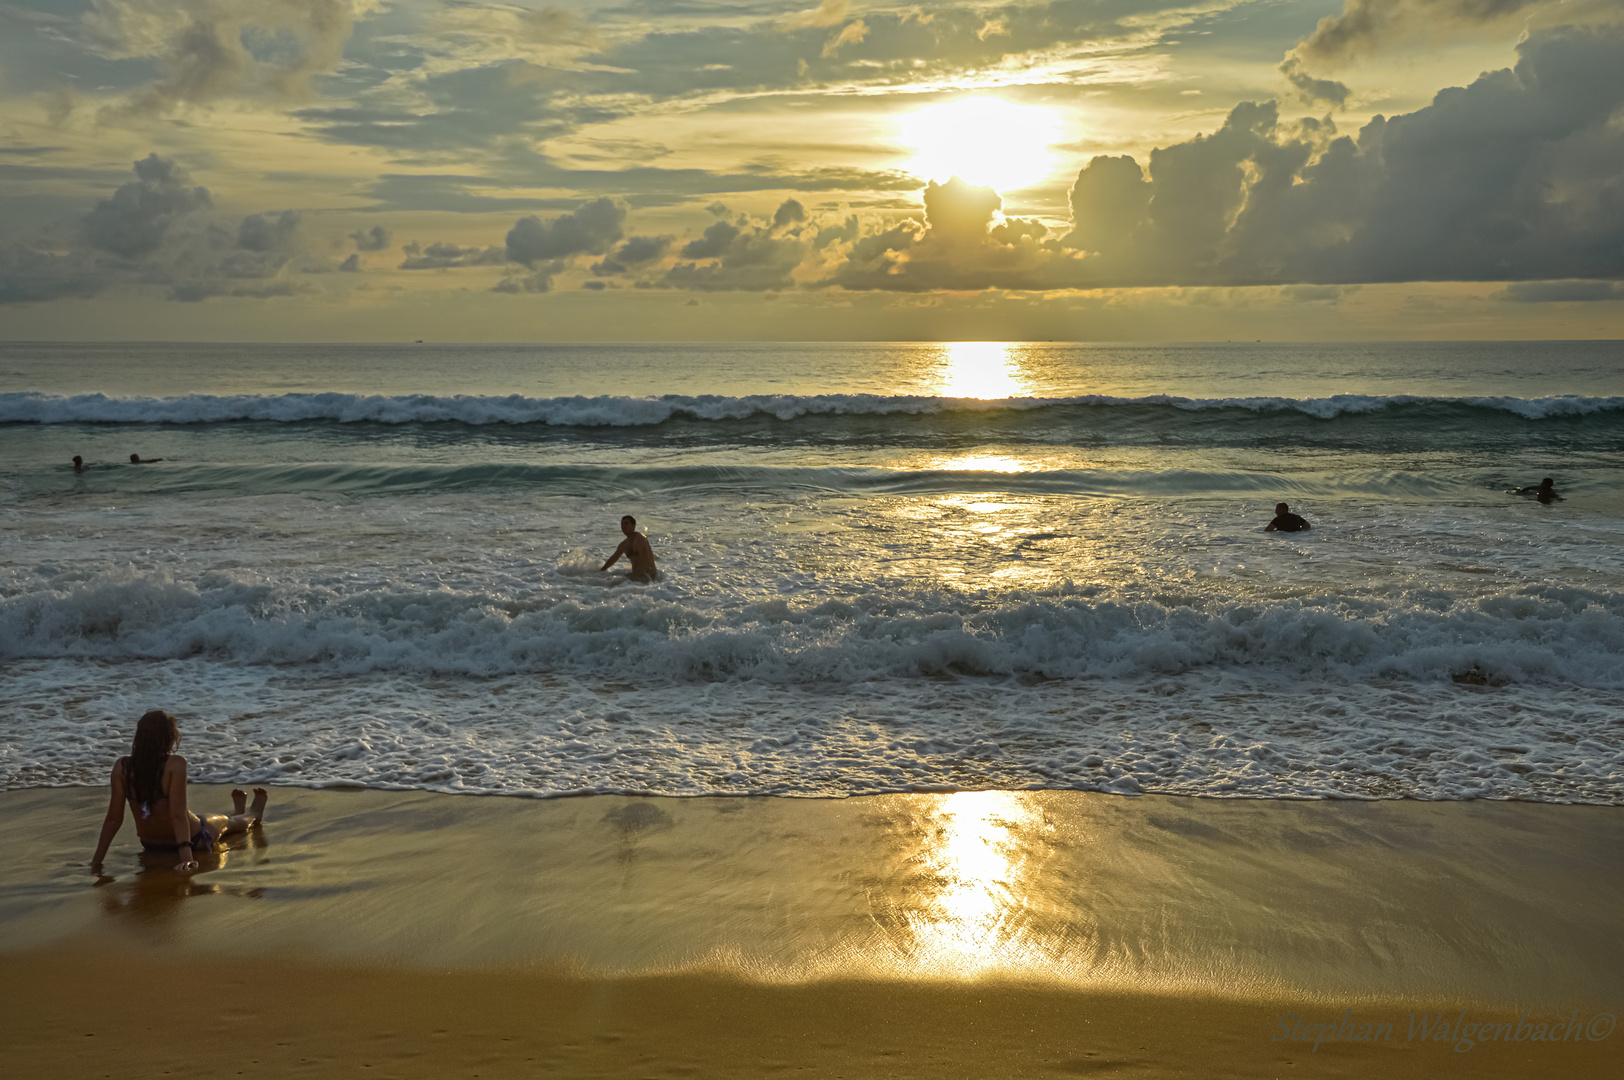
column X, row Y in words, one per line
column 970, row 934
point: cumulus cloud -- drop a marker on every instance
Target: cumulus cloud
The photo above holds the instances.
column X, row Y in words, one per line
column 205, row 49
column 791, row 212
column 745, row 257
column 155, row 231
column 591, row 229
column 139, row 216
column 964, row 245
column 1512, row 177
column 261, row 232
column 636, row 251
column 376, row 238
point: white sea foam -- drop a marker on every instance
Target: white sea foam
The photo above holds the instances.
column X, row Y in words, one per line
column 646, row 411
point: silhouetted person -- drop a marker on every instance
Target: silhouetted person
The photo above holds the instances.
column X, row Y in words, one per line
column 1545, row 492
column 78, row 463
column 638, row 553
column 1286, row 521
column 137, row 459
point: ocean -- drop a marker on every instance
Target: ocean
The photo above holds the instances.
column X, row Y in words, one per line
column 886, row 567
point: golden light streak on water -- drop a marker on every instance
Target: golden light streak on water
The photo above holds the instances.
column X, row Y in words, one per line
column 980, row 369
column 977, row 920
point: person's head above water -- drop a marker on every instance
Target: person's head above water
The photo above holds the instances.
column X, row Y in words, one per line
column 1282, row 508
column 78, row 462
column 135, row 459
column 1547, row 484
column 628, row 524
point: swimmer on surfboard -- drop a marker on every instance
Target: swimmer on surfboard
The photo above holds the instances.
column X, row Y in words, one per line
column 636, row 550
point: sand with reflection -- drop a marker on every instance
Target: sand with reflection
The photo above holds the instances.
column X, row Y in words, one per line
column 792, row 924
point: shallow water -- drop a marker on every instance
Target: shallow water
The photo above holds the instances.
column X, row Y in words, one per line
column 886, row 567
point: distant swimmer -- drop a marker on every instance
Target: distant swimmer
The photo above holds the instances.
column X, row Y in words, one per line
column 636, row 550
column 1286, row 521
column 78, row 463
column 1545, row 492
column 137, row 459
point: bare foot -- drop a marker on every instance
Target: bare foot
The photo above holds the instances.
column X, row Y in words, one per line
column 239, row 801
column 257, row 811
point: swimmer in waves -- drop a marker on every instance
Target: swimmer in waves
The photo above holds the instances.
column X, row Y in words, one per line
column 637, row 551
column 1545, row 492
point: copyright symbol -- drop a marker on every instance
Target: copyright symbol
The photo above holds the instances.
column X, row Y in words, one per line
column 1600, row 1026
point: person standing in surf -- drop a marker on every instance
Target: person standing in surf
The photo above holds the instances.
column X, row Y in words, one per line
column 152, row 779
column 636, row 550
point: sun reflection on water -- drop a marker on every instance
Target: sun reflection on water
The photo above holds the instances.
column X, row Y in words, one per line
column 979, row 918
column 980, row 369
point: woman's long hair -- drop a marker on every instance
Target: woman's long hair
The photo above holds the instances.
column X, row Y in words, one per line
column 156, row 737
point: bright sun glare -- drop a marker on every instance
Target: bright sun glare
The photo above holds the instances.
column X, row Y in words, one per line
column 981, row 141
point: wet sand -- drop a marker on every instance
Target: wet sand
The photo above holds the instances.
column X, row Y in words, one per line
column 986, row 934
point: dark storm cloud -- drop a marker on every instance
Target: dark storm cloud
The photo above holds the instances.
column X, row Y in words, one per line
column 140, row 214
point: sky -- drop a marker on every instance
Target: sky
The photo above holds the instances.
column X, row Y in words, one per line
column 450, row 170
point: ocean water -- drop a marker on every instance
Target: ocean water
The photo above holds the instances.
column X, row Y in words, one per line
column 886, row 567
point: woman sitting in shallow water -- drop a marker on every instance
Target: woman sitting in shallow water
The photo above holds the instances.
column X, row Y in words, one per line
column 153, row 781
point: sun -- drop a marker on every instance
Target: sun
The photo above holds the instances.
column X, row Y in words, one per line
column 981, row 140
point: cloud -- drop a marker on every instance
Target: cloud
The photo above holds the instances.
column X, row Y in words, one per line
column 791, row 212
column 590, row 229
column 745, row 258
column 1365, row 24
column 28, row 275
column 351, row 265
column 376, row 238
column 1558, row 292
column 207, row 50
column 964, row 245
column 261, row 232
column 442, row 256
column 1310, row 89
column 827, row 13
column 850, row 34
column 636, row 251
column 1513, row 177
column 538, row 282
column 139, row 216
